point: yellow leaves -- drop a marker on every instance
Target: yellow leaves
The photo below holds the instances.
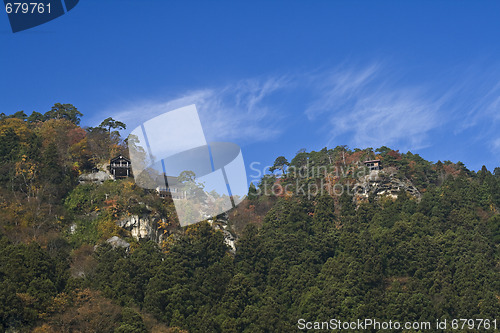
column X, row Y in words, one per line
column 60, row 302
column 167, row 243
column 76, row 168
column 288, row 194
column 493, row 208
column 192, row 229
column 18, row 125
column 84, row 296
column 108, row 228
column 56, row 131
column 60, row 219
column 129, row 185
column 26, row 168
column 45, row 328
column 26, row 298
column 164, row 224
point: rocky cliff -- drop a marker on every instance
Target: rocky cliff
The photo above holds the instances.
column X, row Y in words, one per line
column 146, row 227
column 383, row 183
column 94, row 177
column 142, row 227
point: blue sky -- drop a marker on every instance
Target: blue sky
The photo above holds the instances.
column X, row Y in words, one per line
column 275, row 76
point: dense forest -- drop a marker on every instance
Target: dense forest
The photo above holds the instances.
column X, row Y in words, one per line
column 335, row 252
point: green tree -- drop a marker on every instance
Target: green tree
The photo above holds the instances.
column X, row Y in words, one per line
column 341, row 151
column 110, row 123
column 252, row 192
column 131, row 322
column 64, row 111
column 300, row 160
column 20, row 115
column 35, row 117
column 280, row 164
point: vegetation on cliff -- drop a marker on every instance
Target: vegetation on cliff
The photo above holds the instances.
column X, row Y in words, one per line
column 307, row 248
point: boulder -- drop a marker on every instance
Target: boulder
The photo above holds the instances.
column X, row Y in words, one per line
column 94, row 177
column 116, row 241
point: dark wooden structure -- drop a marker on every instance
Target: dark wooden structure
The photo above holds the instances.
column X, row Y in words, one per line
column 373, row 164
column 120, row 167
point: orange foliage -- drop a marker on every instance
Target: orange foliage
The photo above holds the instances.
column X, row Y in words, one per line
column 90, row 312
column 76, row 135
column 395, row 154
column 451, row 170
column 56, row 131
column 111, row 203
column 354, row 157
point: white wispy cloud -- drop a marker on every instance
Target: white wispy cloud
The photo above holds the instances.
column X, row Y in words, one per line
column 477, row 105
column 369, row 110
column 362, row 106
column 479, row 100
column 242, row 111
column 335, row 88
column 495, row 145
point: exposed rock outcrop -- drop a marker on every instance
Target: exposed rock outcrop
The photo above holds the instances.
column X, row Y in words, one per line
column 230, row 241
column 221, row 223
column 94, row 177
column 145, row 227
column 116, row 241
column 383, row 183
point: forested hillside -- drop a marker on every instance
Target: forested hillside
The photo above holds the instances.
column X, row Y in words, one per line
column 319, row 237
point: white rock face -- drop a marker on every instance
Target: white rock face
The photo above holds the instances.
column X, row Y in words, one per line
column 146, row 227
column 230, row 241
column 116, row 241
column 383, row 183
column 95, row 177
column 139, row 227
column 221, row 224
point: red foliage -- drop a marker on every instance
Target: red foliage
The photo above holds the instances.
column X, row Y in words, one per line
column 395, row 154
column 354, row 157
column 76, row 135
column 451, row 170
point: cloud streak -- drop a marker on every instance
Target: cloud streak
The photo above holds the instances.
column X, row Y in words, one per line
column 239, row 112
column 477, row 101
column 362, row 106
column 366, row 108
